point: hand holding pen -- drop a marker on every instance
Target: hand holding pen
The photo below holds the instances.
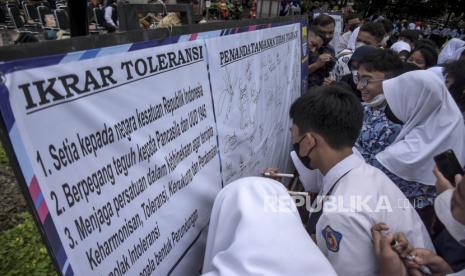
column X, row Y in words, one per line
column 274, row 173
column 409, row 260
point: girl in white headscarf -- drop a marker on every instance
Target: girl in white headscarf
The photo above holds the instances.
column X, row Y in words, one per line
column 351, row 44
column 459, row 53
column 249, row 234
column 448, row 53
column 432, row 124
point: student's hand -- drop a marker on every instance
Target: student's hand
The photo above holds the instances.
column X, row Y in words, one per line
column 436, row 264
column 402, row 247
column 389, row 261
column 442, row 183
column 458, row 202
column 272, row 172
column 322, row 59
column 329, row 80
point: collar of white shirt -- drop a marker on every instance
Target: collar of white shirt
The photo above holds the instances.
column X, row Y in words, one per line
column 350, row 162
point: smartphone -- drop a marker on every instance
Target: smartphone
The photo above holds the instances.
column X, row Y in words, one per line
column 448, row 165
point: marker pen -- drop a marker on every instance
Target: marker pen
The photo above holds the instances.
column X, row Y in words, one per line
column 289, row 175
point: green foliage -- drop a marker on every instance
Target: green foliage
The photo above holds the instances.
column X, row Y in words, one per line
column 22, row 251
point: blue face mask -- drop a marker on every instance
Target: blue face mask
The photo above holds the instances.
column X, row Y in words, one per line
column 304, row 159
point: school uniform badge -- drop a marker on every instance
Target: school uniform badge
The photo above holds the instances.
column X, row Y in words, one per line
column 332, row 238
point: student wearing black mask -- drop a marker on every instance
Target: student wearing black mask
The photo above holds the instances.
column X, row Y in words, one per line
column 326, row 124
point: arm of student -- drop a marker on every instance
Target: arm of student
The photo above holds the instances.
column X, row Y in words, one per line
column 313, row 67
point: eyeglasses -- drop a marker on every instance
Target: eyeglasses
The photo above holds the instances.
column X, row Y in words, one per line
column 363, row 82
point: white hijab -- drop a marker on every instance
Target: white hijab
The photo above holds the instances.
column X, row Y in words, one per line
column 433, row 124
column 438, row 72
column 458, row 53
column 353, row 39
column 450, row 50
column 246, row 238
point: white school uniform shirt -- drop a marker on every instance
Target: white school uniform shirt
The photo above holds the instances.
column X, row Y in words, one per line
column 248, row 236
column 345, row 237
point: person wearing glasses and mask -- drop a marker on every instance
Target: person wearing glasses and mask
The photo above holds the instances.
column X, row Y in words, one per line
column 378, row 131
column 326, row 124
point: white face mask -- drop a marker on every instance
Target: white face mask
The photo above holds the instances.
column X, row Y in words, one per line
column 355, row 76
column 377, row 101
column 442, row 207
column 359, row 44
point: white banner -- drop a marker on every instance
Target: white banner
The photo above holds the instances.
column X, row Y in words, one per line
column 255, row 77
column 124, row 150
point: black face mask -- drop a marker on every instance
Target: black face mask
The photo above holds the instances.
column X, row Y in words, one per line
column 391, row 117
column 304, row 159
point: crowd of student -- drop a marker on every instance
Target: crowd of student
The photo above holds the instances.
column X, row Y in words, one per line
column 379, row 109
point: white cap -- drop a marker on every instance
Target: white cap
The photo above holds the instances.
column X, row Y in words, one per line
column 400, row 46
column 443, row 208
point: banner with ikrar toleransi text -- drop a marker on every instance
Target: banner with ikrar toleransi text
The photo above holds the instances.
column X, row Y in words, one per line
column 119, row 155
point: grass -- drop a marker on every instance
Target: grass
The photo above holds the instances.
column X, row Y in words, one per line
column 22, row 251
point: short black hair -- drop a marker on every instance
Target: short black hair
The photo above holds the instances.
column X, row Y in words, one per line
column 427, row 42
column 429, row 54
column 351, row 16
column 455, row 70
column 375, row 29
column 387, row 25
column 382, row 60
column 323, row 20
column 317, row 32
column 408, row 67
column 331, row 111
column 411, row 35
